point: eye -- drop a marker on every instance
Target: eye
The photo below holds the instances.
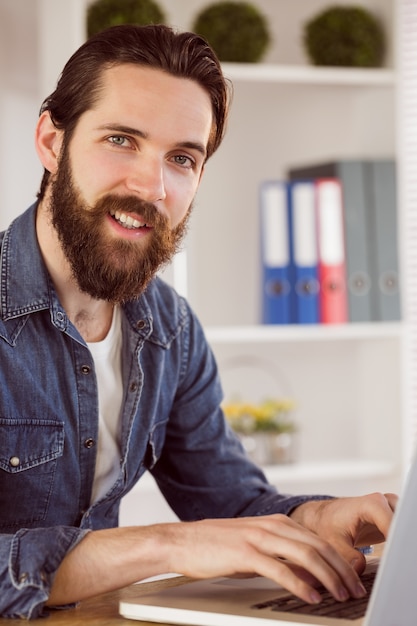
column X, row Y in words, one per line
column 184, row 161
column 119, row 140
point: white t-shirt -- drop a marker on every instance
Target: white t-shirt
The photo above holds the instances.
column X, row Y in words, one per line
column 107, row 355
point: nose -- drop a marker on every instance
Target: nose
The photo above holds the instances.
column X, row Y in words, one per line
column 146, row 178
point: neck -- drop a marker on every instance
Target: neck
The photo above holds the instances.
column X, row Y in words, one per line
column 91, row 317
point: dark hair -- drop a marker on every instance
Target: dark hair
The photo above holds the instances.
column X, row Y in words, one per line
column 185, row 55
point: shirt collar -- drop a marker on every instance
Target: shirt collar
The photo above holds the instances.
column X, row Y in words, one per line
column 24, row 278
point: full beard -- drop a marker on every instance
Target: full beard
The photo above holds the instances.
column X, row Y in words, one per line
column 105, row 267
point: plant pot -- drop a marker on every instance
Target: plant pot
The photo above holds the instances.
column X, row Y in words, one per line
column 268, row 448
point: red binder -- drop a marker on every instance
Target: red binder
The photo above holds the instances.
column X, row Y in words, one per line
column 333, row 302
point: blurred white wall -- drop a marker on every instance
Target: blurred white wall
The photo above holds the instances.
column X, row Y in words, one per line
column 36, row 38
column 19, row 103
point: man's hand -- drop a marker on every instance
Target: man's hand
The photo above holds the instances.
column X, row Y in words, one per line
column 349, row 523
column 273, row 546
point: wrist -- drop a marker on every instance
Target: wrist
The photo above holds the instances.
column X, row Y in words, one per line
column 309, row 513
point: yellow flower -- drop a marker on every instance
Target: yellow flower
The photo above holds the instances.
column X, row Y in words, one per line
column 271, row 415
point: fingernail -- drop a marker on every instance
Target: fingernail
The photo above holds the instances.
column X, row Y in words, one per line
column 315, row 597
column 342, row 594
column 360, row 591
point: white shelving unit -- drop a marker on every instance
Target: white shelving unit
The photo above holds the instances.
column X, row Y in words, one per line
column 346, row 380
column 310, row 334
column 308, row 75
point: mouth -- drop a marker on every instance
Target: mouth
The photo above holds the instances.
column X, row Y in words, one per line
column 127, row 221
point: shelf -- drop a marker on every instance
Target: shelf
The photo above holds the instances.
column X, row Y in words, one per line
column 299, row 333
column 287, row 74
column 349, row 469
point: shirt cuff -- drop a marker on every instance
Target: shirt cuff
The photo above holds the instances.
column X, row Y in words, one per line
column 28, row 563
column 284, row 504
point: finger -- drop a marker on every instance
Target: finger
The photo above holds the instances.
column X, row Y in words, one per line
column 357, row 521
column 297, row 580
column 303, row 574
column 334, row 572
column 344, row 561
column 282, row 573
column 319, row 558
column 380, row 510
column 351, row 555
column 392, row 500
column 374, row 518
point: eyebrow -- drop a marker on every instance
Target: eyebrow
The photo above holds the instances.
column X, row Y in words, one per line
column 128, row 130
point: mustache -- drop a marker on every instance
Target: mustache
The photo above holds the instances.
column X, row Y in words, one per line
column 129, row 204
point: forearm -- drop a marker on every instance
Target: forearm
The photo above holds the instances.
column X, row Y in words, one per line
column 109, row 559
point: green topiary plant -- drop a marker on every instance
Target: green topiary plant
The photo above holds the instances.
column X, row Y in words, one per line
column 237, row 31
column 345, row 36
column 104, row 13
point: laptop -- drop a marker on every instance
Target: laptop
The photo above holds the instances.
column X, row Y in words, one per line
column 258, row 601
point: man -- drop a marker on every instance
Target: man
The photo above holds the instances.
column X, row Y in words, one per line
column 105, row 371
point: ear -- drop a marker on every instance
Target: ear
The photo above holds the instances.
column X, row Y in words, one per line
column 48, row 142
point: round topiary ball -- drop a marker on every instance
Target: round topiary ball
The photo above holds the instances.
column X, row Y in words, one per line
column 237, row 31
column 104, row 13
column 345, row 36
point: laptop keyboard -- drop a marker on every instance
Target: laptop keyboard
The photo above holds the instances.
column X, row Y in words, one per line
column 329, row 606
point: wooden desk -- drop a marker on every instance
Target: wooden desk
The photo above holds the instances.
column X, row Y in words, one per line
column 99, row 611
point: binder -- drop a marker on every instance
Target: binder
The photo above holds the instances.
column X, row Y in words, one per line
column 361, row 285
column 333, row 303
column 276, row 254
column 383, row 203
column 303, row 232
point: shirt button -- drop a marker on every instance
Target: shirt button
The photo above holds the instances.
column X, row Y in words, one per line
column 133, row 387
column 23, row 577
column 86, row 369
column 89, row 443
column 140, row 324
column 14, row 461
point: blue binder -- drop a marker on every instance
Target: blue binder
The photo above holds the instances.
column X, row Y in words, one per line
column 303, row 232
column 276, row 253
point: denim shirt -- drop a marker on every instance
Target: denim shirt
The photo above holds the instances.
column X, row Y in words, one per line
column 171, row 424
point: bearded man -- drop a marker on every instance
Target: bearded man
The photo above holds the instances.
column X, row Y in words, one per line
column 105, row 371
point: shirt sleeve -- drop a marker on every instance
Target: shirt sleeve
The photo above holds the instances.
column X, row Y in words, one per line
column 29, row 560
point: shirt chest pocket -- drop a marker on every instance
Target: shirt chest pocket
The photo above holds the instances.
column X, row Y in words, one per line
column 29, row 450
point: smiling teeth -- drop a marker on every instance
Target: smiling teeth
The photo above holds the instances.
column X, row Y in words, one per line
column 126, row 220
